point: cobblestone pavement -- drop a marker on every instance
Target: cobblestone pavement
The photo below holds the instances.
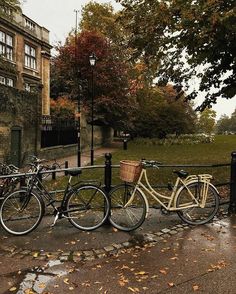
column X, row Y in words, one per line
column 65, row 243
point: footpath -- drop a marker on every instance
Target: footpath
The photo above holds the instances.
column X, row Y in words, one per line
column 162, row 256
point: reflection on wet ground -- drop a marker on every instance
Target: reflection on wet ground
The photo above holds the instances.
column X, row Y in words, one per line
column 37, row 278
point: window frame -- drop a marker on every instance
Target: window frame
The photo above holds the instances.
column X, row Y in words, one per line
column 6, row 45
column 30, row 59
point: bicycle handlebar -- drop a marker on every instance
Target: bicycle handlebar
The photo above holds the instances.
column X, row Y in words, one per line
column 151, row 163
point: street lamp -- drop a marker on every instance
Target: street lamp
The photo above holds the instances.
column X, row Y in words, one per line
column 78, row 118
column 92, row 61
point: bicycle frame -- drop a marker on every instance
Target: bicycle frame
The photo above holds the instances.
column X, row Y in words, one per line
column 180, row 184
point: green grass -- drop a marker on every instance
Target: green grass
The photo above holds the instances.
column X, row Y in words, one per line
column 208, row 153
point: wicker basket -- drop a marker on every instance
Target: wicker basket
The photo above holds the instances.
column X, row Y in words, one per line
column 130, row 170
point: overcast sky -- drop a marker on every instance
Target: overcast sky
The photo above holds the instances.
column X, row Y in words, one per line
column 58, row 17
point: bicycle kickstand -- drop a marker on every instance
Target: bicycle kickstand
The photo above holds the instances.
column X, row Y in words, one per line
column 55, row 219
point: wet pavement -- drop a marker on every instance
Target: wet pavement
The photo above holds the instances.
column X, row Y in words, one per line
column 163, row 256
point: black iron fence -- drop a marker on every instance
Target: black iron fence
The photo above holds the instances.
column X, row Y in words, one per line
column 108, row 168
column 58, row 132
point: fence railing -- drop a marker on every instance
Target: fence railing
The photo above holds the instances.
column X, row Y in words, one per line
column 108, row 167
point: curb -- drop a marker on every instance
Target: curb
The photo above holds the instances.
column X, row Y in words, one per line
column 113, row 249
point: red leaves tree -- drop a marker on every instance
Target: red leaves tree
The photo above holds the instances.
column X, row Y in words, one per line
column 71, row 69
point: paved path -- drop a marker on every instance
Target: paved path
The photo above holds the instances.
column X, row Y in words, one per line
column 178, row 259
column 85, row 157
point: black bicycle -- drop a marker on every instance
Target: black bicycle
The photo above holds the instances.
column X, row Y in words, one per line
column 85, row 205
column 8, row 184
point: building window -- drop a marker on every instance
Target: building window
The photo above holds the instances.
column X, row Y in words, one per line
column 10, row 82
column 7, row 81
column 6, row 45
column 29, row 24
column 27, row 87
column 30, row 57
column 2, row 80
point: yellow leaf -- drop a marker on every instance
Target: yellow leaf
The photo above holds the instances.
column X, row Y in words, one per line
column 66, row 281
column 36, row 254
column 174, row 258
column 141, row 273
column 71, row 288
column 195, row 287
column 171, row 284
column 131, row 289
column 12, row 289
column 29, row 291
column 162, row 271
column 42, row 285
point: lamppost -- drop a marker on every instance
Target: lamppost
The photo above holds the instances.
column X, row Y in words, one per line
column 78, row 118
column 92, row 60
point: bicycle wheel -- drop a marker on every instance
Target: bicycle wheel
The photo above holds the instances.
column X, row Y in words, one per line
column 127, row 217
column 21, row 213
column 87, row 207
column 197, row 215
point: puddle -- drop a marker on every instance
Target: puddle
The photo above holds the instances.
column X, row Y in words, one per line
column 39, row 277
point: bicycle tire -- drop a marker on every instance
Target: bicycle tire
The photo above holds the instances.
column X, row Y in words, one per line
column 127, row 218
column 87, row 207
column 198, row 215
column 17, row 219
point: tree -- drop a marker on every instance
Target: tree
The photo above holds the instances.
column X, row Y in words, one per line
column 227, row 124
column 101, row 18
column 111, row 103
column 62, row 108
column 176, row 37
column 158, row 113
column 206, row 121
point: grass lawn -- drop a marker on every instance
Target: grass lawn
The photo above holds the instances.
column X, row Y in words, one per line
column 207, row 153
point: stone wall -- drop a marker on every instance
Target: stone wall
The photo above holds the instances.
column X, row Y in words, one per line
column 19, row 112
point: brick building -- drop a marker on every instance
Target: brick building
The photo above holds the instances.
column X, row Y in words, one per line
column 25, row 46
column 24, row 85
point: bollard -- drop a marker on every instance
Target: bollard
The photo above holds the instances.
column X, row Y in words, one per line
column 125, row 144
column 107, row 177
column 66, row 166
column 232, row 203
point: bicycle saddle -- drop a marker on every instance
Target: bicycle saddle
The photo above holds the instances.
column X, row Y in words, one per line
column 181, row 173
column 74, row 172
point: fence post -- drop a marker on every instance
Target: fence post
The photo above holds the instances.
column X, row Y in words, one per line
column 53, row 173
column 107, row 177
column 108, row 172
column 66, row 166
column 232, row 203
column 125, row 143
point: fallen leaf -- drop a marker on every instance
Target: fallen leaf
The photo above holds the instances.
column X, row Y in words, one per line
column 174, row 258
column 141, row 273
column 162, row 271
column 66, row 281
column 171, row 284
column 195, row 287
column 12, row 289
column 42, row 286
column 36, row 254
column 134, row 290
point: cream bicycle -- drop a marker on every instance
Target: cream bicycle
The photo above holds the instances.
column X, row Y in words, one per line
column 194, row 198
